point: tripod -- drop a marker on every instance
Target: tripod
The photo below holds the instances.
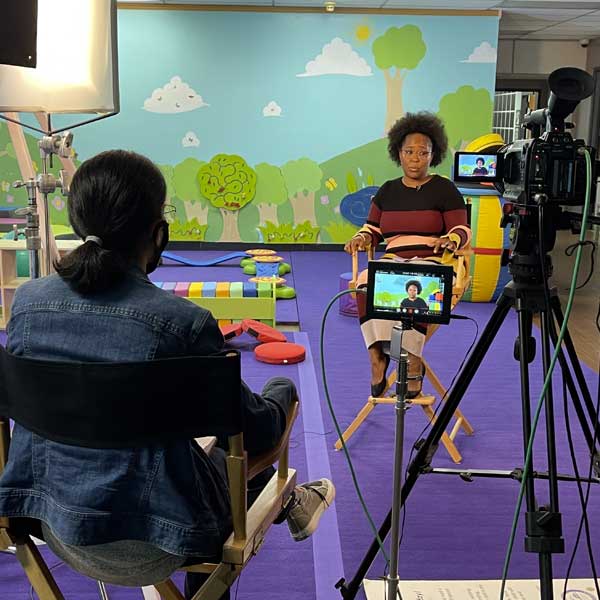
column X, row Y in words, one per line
column 527, row 295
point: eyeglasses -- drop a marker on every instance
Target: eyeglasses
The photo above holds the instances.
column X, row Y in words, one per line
column 421, row 154
column 169, row 209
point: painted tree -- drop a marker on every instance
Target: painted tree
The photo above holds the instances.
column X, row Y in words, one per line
column 463, row 125
column 229, row 184
column 397, row 51
column 270, row 192
column 185, row 186
column 302, row 180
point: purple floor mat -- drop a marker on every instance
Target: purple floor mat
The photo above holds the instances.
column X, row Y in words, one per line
column 453, row 529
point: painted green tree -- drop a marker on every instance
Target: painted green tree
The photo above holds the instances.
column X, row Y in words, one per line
column 397, row 51
column 464, row 125
column 229, row 184
column 302, row 180
column 270, row 192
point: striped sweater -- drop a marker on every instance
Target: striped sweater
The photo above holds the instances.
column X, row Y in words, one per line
column 407, row 219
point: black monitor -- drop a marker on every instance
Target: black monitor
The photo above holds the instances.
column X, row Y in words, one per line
column 18, row 33
column 406, row 291
column 477, row 167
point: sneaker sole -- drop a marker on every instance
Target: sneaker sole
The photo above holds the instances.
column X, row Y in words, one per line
column 312, row 524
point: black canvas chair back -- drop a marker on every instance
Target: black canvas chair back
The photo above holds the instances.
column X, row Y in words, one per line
column 116, row 405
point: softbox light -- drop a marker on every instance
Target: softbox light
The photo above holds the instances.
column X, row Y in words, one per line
column 76, row 68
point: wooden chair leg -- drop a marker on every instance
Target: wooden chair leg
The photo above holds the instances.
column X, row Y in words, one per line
column 218, row 583
column 365, row 411
column 446, row 440
column 168, row 590
column 37, row 571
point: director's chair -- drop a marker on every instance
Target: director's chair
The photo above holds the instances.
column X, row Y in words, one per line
column 124, row 405
column 426, row 402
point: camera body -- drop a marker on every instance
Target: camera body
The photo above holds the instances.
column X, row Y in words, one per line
column 552, row 165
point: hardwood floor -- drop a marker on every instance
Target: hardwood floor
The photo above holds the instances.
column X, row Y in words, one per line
column 582, row 322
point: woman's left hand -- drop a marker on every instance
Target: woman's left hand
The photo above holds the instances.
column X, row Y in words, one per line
column 442, row 244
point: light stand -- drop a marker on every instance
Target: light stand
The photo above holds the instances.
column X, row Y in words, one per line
column 45, row 183
column 399, row 354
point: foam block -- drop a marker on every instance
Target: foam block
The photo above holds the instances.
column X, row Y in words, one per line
column 209, row 289
column 263, row 332
column 182, row 289
column 195, row 290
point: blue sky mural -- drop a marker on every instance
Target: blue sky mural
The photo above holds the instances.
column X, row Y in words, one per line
column 261, row 84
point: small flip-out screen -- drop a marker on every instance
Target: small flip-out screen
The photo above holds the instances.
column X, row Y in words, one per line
column 476, row 167
column 414, row 292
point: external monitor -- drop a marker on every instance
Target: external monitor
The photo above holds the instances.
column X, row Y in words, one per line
column 477, row 167
column 411, row 292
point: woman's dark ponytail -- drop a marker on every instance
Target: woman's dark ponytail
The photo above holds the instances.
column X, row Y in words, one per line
column 114, row 199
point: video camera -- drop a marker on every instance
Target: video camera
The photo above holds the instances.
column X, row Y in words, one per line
column 549, row 165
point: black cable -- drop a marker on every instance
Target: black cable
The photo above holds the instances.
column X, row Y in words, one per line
column 584, row 502
column 569, row 251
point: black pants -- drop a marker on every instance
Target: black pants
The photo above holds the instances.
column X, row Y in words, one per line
column 278, row 393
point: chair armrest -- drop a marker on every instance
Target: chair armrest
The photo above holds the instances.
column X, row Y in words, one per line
column 257, row 464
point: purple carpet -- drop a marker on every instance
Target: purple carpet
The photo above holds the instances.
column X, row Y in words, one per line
column 453, row 530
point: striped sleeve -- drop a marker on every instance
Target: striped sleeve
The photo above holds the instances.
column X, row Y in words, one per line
column 455, row 217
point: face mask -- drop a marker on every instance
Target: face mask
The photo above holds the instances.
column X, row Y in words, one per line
column 164, row 227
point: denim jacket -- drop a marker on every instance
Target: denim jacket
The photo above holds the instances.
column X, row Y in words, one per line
column 169, row 495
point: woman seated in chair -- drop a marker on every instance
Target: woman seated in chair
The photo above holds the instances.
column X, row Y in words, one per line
column 421, row 217
column 132, row 516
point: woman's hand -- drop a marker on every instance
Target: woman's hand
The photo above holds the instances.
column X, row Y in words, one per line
column 442, row 244
column 356, row 243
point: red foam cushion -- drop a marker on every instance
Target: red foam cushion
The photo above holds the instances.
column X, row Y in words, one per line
column 230, row 331
column 278, row 353
column 264, row 333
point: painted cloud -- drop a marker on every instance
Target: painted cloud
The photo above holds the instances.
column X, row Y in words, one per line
column 190, row 140
column 484, row 53
column 272, row 109
column 174, row 97
column 337, row 58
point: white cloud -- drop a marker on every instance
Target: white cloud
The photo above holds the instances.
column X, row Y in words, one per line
column 484, row 53
column 272, row 109
column 190, row 140
column 337, row 58
column 174, row 97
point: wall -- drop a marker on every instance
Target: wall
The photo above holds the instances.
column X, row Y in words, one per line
column 536, row 59
column 272, row 126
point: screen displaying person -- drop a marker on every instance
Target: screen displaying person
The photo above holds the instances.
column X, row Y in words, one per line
column 413, row 289
column 480, row 169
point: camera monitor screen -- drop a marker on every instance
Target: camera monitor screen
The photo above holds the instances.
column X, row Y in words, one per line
column 477, row 167
column 406, row 291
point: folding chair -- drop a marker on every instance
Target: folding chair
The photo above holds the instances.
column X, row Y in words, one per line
column 426, row 402
column 117, row 405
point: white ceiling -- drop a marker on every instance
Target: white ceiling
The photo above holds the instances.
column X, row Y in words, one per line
column 521, row 19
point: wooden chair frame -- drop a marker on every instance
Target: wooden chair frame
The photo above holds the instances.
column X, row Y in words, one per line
column 249, row 524
column 426, row 402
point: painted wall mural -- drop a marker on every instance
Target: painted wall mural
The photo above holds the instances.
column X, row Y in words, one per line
column 271, row 127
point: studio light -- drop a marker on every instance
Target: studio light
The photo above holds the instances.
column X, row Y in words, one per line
column 76, row 68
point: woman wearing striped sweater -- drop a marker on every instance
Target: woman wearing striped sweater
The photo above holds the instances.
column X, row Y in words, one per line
column 420, row 217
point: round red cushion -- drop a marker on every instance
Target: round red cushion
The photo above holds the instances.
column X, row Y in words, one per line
column 230, row 331
column 278, row 353
column 264, row 333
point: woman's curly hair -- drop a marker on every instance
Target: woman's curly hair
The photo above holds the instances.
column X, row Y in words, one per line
column 422, row 122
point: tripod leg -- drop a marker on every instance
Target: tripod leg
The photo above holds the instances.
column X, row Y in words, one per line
column 428, row 448
column 585, row 393
column 544, row 528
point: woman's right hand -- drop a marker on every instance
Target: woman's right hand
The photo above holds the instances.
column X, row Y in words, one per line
column 356, row 243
